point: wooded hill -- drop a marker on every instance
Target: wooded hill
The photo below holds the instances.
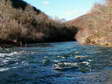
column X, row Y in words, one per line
column 95, row 27
column 21, row 23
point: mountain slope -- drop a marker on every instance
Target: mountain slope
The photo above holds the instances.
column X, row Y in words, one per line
column 96, row 26
column 21, row 23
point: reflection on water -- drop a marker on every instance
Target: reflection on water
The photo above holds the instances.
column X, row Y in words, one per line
column 55, row 63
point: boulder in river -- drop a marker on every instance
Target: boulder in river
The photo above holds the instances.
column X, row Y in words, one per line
column 65, row 65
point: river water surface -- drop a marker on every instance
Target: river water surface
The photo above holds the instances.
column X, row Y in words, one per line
column 36, row 64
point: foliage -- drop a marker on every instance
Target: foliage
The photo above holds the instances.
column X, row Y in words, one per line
column 21, row 22
column 95, row 27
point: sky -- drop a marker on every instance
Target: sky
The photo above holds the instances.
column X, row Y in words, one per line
column 64, row 9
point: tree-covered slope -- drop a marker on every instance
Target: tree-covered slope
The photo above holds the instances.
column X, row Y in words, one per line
column 22, row 23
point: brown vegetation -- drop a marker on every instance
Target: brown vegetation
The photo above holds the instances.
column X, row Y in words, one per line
column 22, row 23
column 96, row 26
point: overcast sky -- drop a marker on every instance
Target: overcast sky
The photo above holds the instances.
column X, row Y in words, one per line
column 64, row 9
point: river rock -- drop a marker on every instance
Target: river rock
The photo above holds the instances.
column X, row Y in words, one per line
column 65, row 65
column 81, row 58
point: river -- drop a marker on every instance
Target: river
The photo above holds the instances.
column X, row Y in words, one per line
column 56, row 63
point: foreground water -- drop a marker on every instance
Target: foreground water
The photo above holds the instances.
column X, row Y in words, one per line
column 56, row 63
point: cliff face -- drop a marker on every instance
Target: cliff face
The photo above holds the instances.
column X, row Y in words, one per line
column 95, row 27
column 23, row 23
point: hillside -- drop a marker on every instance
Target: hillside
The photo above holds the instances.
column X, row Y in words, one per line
column 21, row 23
column 95, row 27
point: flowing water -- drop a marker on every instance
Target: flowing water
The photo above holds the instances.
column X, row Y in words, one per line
column 56, row 63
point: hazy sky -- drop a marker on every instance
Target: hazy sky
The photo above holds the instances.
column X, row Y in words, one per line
column 67, row 9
